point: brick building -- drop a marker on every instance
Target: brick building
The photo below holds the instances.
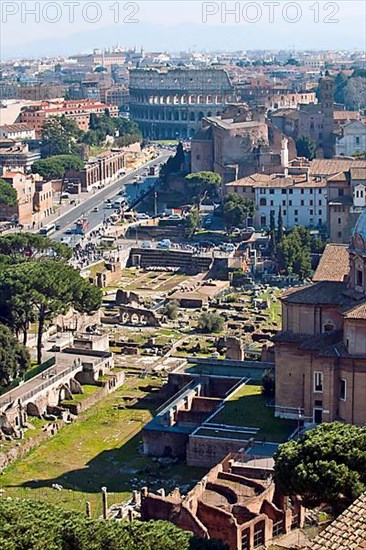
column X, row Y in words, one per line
column 320, row 352
column 236, row 502
column 79, row 111
column 313, row 120
column 100, row 170
column 239, row 142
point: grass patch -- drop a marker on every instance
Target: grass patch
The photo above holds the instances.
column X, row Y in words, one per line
column 102, row 448
column 248, row 407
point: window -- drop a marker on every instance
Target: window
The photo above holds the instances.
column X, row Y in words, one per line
column 357, row 140
column 339, row 220
column 302, row 191
column 340, row 192
column 283, row 191
column 311, row 191
column 311, row 212
column 311, row 203
column 284, row 212
column 262, row 191
column 283, row 203
column 290, row 191
column 320, row 212
column 343, row 389
column 320, row 221
column 271, row 191
column 262, row 202
column 320, row 202
column 290, row 203
column 302, row 203
column 296, row 220
column 339, row 234
column 271, row 203
column 359, row 277
column 296, row 212
column 318, row 382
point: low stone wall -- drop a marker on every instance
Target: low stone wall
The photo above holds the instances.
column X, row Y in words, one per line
column 25, row 446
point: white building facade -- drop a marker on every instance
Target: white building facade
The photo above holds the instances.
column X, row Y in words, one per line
column 352, row 139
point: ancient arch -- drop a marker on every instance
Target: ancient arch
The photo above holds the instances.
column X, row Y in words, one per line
column 33, row 410
column 64, row 392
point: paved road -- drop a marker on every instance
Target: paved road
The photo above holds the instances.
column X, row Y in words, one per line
column 97, row 199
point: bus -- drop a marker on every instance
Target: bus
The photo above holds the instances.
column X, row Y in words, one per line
column 47, row 230
column 81, row 226
column 119, row 203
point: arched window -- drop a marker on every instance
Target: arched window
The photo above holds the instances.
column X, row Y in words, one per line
column 328, row 326
column 262, row 202
column 192, row 116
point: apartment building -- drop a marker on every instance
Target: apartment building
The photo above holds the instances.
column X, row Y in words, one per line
column 79, row 111
column 302, row 198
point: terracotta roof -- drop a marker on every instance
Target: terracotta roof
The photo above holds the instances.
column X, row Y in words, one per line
column 16, row 127
column 346, row 115
column 278, row 180
column 328, row 167
column 358, row 312
column 347, row 532
column 333, row 264
column 358, row 173
column 323, row 292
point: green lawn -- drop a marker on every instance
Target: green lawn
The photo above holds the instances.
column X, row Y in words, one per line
column 247, row 407
column 102, row 448
column 274, row 306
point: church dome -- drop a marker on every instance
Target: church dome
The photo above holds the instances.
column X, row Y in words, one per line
column 358, row 239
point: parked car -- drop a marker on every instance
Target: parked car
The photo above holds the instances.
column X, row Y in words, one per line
column 69, row 231
column 57, row 226
column 164, row 244
column 146, row 244
column 95, row 209
column 142, row 216
column 228, row 247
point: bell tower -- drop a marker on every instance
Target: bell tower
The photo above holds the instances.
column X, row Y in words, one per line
column 326, row 101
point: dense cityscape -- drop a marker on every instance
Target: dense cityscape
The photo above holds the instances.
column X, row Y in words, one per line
column 183, row 299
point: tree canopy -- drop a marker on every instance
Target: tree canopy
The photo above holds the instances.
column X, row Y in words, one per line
column 41, row 290
column 55, row 167
column 14, row 358
column 8, row 195
column 192, row 222
column 59, row 137
column 326, row 465
column 292, row 256
column 19, row 247
column 123, row 131
column 305, row 147
column 210, row 322
column 34, row 525
column 237, row 209
column 202, row 185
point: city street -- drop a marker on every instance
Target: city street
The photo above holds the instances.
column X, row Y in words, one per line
column 98, row 198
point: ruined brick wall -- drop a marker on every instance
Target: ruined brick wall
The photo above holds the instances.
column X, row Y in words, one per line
column 202, row 451
column 220, row 525
column 164, row 443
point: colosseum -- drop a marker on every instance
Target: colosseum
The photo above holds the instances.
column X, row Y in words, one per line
column 170, row 103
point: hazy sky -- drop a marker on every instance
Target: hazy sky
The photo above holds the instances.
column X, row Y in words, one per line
column 42, row 27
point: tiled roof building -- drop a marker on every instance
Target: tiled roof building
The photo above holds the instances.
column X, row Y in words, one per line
column 320, row 353
column 347, row 532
